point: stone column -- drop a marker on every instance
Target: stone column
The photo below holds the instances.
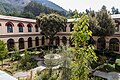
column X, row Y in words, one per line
column 25, row 44
column 17, row 45
column 33, row 43
column 107, row 42
column 40, row 42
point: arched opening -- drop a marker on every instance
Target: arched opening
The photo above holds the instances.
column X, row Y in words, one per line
column 36, row 28
column 43, row 40
column 114, row 44
column 64, row 40
column 10, row 44
column 9, row 27
column 29, row 42
column 71, row 26
column 101, row 43
column 29, row 26
column 57, row 41
column 21, row 43
column 37, row 41
column 20, row 27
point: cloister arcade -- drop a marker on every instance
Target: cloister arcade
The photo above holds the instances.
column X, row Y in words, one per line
column 23, row 33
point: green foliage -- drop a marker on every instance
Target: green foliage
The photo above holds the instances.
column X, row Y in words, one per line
column 115, row 10
column 110, row 67
column 117, row 65
column 15, row 55
column 29, row 11
column 50, row 24
column 44, row 75
column 6, row 8
column 26, row 63
column 27, row 14
column 36, row 8
column 82, row 52
column 25, row 58
column 3, row 51
column 101, row 23
column 65, row 62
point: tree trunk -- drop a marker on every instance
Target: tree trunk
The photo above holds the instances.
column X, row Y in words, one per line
column 51, row 42
column 2, row 64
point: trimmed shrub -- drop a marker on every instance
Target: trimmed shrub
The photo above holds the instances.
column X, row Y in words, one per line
column 117, row 65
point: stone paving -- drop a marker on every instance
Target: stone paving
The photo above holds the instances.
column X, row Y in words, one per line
column 40, row 67
column 108, row 76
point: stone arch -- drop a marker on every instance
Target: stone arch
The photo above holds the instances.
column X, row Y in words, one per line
column 64, row 40
column 9, row 23
column 21, row 43
column 37, row 41
column 43, row 40
column 36, row 28
column 29, row 26
column 21, row 24
column 10, row 44
column 9, row 26
column 101, row 43
column 29, row 42
column 20, row 27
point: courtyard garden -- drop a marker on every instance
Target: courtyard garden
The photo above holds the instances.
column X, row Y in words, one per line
column 62, row 62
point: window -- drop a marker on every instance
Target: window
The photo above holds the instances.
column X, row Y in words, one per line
column 29, row 27
column 21, row 43
column 36, row 28
column 114, row 44
column 9, row 28
column 37, row 41
column 64, row 40
column 43, row 40
column 20, row 28
column 29, row 42
column 10, row 44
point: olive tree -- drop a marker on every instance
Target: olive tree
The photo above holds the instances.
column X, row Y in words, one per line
column 3, row 51
column 50, row 24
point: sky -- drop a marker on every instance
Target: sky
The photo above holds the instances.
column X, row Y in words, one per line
column 82, row 5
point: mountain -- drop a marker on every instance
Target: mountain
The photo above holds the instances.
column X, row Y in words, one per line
column 7, row 8
column 50, row 4
column 26, row 8
column 20, row 4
